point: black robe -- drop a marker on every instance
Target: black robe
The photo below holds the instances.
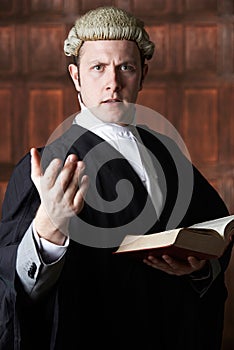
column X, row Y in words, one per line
column 102, row 300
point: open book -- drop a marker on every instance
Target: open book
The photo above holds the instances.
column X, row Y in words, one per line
column 205, row 240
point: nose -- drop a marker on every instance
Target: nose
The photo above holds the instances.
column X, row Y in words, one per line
column 113, row 82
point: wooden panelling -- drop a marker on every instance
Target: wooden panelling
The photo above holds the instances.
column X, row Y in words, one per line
column 225, row 186
column 182, row 48
column 46, row 56
column 226, row 49
column 174, row 106
column 160, row 35
column 157, row 8
column 71, row 104
column 201, row 47
column 200, row 124
column 201, row 5
column 53, row 6
column 46, row 113
column 89, row 4
column 7, row 7
column 226, row 127
column 154, row 99
column 226, row 7
column 176, row 49
column 19, row 125
column 7, row 49
column 151, row 6
column 152, row 111
column 6, row 101
column 227, row 189
column 124, row 4
column 231, row 51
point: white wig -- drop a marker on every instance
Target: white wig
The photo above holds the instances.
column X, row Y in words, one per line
column 108, row 23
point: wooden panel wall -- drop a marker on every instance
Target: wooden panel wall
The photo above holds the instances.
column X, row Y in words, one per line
column 191, row 83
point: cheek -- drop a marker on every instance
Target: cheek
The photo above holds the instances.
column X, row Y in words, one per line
column 90, row 95
column 90, row 84
column 135, row 85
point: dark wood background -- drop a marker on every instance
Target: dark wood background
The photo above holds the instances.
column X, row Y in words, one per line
column 191, row 83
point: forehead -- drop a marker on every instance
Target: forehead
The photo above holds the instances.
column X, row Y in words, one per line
column 110, row 49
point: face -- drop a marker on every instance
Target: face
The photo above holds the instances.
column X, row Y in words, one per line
column 110, row 77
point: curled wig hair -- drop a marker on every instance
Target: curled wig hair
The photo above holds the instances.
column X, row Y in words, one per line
column 108, row 23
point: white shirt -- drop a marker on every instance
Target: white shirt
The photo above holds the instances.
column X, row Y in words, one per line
column 127, row 141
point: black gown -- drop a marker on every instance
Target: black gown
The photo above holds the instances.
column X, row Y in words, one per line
column 103, row 300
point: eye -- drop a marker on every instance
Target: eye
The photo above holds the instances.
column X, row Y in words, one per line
column 98, row 67
column 127, row 68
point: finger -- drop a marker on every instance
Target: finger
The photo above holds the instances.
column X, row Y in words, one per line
column 195, row 263
column 178, row 266
column 157, row 263
column 75, row 181
column 79, row 198
column 71, row 158
column 173, row 263
column 36, row 171
column 81, row 169
column 51, row 173
column 66, row 175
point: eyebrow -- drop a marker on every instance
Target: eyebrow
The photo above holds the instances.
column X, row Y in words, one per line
column 96, row 61
column 100, row 61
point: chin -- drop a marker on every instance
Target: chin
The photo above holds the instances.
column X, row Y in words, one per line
column 117, row 113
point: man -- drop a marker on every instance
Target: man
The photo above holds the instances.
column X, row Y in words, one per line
column 66, row 212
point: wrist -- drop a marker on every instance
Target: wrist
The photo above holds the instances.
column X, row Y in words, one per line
column 48, row 229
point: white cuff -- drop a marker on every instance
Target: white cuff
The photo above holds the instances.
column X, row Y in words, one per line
column 49, row 251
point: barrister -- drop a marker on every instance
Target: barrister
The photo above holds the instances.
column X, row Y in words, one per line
column 60, row 285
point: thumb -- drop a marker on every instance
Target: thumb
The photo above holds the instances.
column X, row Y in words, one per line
column 36, row 171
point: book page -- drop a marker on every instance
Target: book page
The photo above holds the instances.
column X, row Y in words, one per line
column 218, row 225
column 133, row 242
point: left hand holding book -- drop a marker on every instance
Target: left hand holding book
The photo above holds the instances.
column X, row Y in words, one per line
column 202, row 241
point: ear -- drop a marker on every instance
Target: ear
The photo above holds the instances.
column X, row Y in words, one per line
column 73, row 70
column 144, row 73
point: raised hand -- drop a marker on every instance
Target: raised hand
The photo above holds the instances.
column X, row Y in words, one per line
column 62, row 191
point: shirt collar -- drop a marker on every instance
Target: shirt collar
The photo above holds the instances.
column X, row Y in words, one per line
column 88, row 120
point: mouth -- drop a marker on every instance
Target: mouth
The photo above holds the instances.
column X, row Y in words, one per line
column 112, row 100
